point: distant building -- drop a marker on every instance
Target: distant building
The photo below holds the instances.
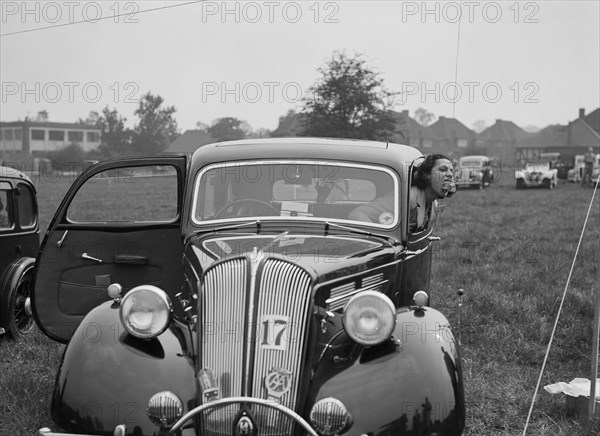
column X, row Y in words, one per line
column 570, row 140
column 22, row 139
column 500, row 139
column 408, row 131
column 454, row 137
column 289, row 125
column 189, row 142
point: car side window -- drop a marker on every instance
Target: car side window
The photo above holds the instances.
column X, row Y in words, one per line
column 6, row 221
column 130, row 194
column 27, row 207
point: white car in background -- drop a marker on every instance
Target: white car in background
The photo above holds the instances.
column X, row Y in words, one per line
column 576, row 173
column 537, row 174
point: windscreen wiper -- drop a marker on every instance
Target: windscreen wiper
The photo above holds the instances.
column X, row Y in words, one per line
column 329, row 225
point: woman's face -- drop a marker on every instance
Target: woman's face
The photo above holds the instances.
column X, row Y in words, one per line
column 441, row 172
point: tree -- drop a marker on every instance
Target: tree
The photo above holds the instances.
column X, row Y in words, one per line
column 290, row 124
column 68, row 157
column 42, row 116
column 202, row 126
column 424, row 117
column 115, row 137
column 157, row 127
column 227, row 129
column 261, row 132
column 91, row 120
column 349, row 101
column 479, row 126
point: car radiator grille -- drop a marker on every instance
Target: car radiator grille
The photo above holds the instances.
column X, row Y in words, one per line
column 254, row 320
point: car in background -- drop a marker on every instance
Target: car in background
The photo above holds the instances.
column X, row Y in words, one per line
column 556, row 162
column 536, row 174
column 576, row 173
column 231, row 293
column 474, row 172
column 19, row 245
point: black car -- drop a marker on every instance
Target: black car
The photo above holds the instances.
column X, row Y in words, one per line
column 19, row 245
column 230, row 294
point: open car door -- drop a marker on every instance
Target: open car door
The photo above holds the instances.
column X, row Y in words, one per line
column 120, row 222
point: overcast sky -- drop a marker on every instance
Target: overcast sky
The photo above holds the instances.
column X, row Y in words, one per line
column 535, row 63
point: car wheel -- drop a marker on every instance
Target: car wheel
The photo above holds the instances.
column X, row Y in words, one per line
column 19, row 319
column 547, row 183
column 520, row 184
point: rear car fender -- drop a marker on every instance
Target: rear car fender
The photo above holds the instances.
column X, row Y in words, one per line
column 412, row 382
column 107, row 376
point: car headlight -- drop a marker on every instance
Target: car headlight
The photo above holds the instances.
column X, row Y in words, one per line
column 145, row 311
column 369, row 317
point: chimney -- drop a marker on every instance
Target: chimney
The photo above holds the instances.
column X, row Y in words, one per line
column 581, row 113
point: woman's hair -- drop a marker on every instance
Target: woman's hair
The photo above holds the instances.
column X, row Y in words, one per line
column 422, row 172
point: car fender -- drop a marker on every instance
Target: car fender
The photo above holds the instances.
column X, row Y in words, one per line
column 413, row 382
column 8, row 283
column 107, row 376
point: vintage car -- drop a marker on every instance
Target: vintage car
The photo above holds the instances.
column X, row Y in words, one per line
column 562, row 169
column 230, row 294
column 536, row 174
column 19, row 245
column 576, row 173
column 474, row 172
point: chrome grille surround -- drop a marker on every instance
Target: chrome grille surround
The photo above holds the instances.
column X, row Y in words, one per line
column 222, row 308
column 255, row 315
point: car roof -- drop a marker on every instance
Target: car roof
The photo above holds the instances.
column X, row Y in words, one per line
column 12, row 173
column 383, row 153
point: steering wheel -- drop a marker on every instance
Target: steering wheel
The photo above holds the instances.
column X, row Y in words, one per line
column 236, row 206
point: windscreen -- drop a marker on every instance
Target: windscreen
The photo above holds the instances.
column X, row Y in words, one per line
column 292, row 190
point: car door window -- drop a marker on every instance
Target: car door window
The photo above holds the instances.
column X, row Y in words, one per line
column 27, row 207
column 6, row 221
column 130, row 194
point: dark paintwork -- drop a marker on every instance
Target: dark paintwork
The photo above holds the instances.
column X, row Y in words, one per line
column 107, row 377
column 18, row 247
column 409, row 385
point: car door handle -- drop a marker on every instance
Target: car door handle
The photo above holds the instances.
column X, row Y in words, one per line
column 62, row 240
column 131, row 259
column 87, row 256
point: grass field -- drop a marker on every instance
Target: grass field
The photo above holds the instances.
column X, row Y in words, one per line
column 511, row 251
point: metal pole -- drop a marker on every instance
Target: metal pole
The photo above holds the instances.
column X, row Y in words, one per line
column 460, row 293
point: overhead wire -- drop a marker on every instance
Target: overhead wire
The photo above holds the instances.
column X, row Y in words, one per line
column 111, row 17
column 456, row 60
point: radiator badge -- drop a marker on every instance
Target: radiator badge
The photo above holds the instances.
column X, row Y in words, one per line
column 278, row 383
column 208, row 385
column 244, row 426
